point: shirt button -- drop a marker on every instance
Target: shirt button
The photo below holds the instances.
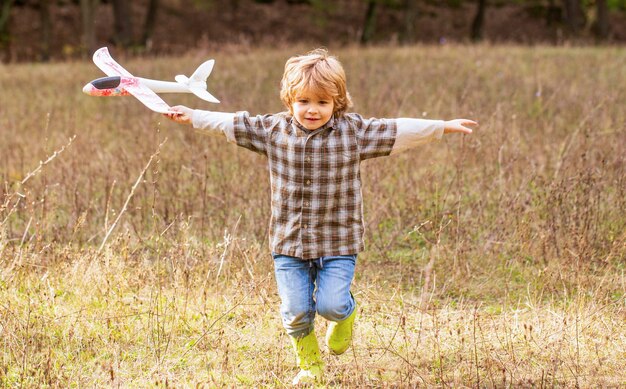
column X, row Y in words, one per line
column 305, row 226
column 308, row 159
column 308, row 182
column 306, row 203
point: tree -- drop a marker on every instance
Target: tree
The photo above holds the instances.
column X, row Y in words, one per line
column 122, row 23
column 406, row 29
column 370, row 21
column 479, row 21
column 553, row 13
column 601, row 25
column 46, row 29
column 574, row 15
column 411, row 12
column 88, row 16
column 5, row 35
column 148, row 27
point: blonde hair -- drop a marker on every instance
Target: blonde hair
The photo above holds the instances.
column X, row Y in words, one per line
column 317, row 72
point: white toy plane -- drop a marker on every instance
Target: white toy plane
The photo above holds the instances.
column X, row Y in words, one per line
column 121, row 83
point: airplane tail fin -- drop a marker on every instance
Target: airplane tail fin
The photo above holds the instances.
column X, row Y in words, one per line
column 197, row 81
column 203, row 72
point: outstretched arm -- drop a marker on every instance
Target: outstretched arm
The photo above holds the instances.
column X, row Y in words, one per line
column 415, row 132
column 208, row 122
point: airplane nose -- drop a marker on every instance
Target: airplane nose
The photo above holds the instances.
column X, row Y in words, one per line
column 87, row 88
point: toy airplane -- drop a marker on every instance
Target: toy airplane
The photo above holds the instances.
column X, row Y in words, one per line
column 121, row 83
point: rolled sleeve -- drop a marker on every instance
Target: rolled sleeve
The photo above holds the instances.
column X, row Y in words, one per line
column 375, row 137
column 252, row 132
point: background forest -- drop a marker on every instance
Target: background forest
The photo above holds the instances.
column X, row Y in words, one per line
column 133, row 250
column 58, row 29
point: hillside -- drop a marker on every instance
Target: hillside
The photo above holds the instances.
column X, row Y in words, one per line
column 183, row 25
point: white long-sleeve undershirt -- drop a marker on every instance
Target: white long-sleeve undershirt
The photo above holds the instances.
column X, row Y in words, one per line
column 214, row 123
column 414, row 132
column 411, row 132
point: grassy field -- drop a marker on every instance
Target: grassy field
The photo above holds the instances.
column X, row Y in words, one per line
column 133, row 250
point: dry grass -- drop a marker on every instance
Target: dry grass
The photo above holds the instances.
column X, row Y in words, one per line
column 492, row 260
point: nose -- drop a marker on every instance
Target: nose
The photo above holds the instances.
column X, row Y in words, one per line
column 87, row 88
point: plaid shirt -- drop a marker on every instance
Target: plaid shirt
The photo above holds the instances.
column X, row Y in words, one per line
column 317, row 205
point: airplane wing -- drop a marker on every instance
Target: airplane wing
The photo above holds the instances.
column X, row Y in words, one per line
column 107, row 64
column 145, row 95
column 149, row 98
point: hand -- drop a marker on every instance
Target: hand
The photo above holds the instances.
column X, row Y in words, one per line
column 459, row 125
column 182, row 115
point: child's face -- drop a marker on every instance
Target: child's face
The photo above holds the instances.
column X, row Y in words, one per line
column 311, row 110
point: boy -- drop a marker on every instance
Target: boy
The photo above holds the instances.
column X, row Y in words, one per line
column 316, row 229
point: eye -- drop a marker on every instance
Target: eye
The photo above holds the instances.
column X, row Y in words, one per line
column 303, row 101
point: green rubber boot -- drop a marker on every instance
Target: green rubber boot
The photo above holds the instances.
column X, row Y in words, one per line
column 339, row 334
column 308, row 359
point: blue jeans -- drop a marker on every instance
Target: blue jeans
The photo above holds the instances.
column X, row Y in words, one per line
column 318, row 286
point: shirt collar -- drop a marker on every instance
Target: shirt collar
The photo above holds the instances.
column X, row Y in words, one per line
column 329, row 124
